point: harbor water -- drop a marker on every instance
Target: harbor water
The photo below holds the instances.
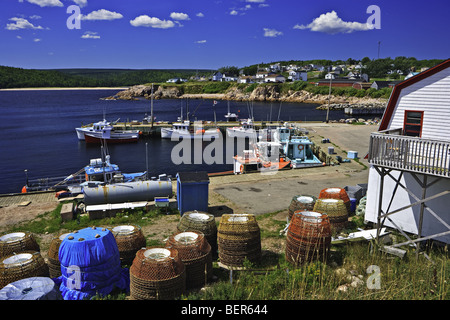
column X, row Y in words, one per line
column 39, row 139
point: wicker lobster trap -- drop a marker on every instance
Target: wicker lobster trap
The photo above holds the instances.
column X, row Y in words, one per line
column 336, row 211
column 53, row 263
column 157, row 274
column 238, row 238
column 195, row 252
column 129, row 240
column 203, row 222
column 301, row 203
column 308, row 237
column 336, row 193
column 17, row 242
column 22, row 265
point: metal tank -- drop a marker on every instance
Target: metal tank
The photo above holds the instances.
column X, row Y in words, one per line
column 133, row 191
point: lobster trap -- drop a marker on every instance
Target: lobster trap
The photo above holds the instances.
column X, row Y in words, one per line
column 308, row 237
column 239, row 239
column 195, row 252
column 157, row 274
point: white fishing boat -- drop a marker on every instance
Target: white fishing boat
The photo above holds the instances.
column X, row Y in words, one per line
column 245, row 130
column 231, row 116
column 104, row 130
column 186, row 130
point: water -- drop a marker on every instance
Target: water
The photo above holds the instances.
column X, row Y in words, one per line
column 38, row 131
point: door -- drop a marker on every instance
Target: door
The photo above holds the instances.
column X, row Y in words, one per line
column 413, row 123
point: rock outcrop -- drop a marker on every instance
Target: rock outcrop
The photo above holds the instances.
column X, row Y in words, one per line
column 260, row 93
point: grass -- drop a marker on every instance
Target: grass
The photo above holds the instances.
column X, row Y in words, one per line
column 273, row 278
column 408, row 279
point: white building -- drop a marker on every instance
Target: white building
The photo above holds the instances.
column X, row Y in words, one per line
column 409, row 157
column 217, row 76
column 297, row 75
column 275, row 78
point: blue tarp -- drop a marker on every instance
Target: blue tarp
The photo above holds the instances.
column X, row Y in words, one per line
column 34, row 288
column 90, row 265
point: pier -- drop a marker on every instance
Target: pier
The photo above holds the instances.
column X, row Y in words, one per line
column 148, row 129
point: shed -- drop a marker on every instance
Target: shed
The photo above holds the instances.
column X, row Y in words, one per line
column 192, row 191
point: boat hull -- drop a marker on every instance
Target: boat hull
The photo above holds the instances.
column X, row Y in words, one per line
column 97, row 139
column 169, row 134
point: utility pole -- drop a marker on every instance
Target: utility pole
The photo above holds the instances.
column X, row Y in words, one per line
column 329, row 94
column 379, row 43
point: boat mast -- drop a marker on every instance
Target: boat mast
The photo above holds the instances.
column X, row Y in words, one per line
column 151, row 108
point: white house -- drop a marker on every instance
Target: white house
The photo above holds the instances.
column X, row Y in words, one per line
column 217, row 76
column 409, row 157
column 246, row 79
column 297, row 75
column 275, row 78
column 330, row 75
column 226, row 78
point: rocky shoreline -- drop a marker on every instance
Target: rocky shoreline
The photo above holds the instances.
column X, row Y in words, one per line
column 260, row 93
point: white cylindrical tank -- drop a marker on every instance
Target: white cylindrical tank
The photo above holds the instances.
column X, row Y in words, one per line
column 127, row 192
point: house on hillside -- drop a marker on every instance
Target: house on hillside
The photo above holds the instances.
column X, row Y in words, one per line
column 246, row 79
column 275, row 78
column 409, row 158
column 377, row 84
column 217, row 76
column 298, row 75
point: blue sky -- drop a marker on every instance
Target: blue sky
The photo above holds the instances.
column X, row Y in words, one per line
column 209, row 34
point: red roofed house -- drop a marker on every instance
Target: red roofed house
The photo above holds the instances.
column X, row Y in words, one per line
column 409, row 157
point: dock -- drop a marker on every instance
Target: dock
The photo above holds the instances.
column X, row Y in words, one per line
column 147, row 129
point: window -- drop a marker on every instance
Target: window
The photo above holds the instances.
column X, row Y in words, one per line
column 413, row 123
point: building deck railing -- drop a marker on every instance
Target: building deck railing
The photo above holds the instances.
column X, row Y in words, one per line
column 392, row 150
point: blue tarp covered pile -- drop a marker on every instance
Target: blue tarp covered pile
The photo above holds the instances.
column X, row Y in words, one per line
column 90, row 265
column 34, row 288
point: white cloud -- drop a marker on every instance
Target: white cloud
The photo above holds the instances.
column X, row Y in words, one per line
column 200, row 15
column 179, row 16
column 81, row 3
column 18, row 37
column 330, row 23
column 255, row 1
column 233, row 12
column 90, row 35
column 200, row 41
column 153, row 22
column 102, row 14
column 272, row 33
column 20, row 24
column 35, row 17
column 37, row 40
column 46, row 3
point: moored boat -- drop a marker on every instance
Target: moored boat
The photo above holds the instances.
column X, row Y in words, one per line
column 299, row 151
column 186, row 130
column 104, row 130
column 245, row 130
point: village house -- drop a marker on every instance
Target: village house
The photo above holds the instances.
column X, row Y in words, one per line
column 409, row 158
column 246, row 79
column 275, row 78
column 217, row 76
column 298, row 75
column 378, row 84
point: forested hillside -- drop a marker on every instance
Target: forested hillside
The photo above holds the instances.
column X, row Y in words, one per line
column 27, row 78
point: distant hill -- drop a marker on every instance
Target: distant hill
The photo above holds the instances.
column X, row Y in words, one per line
column 11, row 77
